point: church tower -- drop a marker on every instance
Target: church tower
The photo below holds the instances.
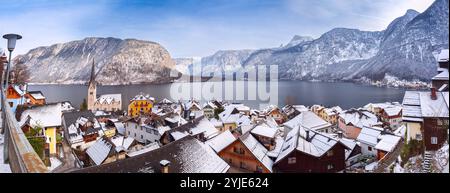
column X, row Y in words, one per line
column 92, row 89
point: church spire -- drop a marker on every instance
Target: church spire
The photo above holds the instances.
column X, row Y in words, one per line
column 92, row 72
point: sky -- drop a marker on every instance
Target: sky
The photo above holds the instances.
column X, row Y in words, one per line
column 193, row 28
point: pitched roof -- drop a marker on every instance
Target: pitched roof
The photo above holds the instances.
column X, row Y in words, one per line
column 37, row 95
column 99, row 151
column 359, row 118
column 313, row 143
column 257, row 149
column 433, row 108
column 369, row 135
column 393, row 111
column 109, row 98
column 265, row 131
column 45, row 116
column 308, row 120
column 187, row 155
column 221, row 141
column 387, row 142
column 443, row 56
column 71, row 117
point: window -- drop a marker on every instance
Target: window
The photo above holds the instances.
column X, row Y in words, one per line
column 434, row 140
column 330, row 166
column 259, row 169
column 330, row 153
column 230, row 127
column 142, row 137
column 439, row 122
column 230, row 161
column 292, row 160
column 243, row 165
column 11, row 104
column 135, row 135
column 235, row 150
column 419, row 136
column 241, row 151
column 128, row 132
column 369, row 148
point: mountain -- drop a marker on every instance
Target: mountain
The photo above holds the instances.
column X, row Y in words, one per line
column 405, row 49
column 117, row 61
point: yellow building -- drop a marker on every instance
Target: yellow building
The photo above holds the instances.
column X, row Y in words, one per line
column 50, row 134
column 140, row 104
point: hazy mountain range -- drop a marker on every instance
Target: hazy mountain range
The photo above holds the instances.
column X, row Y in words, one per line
column 405, row 49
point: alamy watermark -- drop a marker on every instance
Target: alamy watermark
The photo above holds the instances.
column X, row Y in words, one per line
column 259, row 83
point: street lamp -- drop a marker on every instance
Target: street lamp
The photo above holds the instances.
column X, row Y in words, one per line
column 12, row 38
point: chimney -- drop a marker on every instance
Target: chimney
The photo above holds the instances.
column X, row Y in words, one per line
column 433, row 93
column 307, row 135
column 164, row 166
column 340, row 134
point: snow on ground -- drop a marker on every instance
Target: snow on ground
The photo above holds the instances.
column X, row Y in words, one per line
column 4, row 168
column 414, row 165
column 440, row 159
column 54, row 163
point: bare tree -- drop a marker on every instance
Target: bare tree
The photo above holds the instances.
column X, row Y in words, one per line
column 19, row 73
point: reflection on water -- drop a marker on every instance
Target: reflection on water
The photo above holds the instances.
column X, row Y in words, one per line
column 346, row 95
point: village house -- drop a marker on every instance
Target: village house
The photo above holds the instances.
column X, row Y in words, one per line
column 352, row 121
column 187, row 155
column 353, row 153
column 139, row 149
column 245, row 154
column 429, row 112
column 108, row 102
column 145, row 129
column 208, row 109
column 15, row 95
column 368, row 139
column 392, row 117
column 441, row 80
column 122, row 145
column 140, row 105
column 48, row 118
column 377, row 108
column 276, row 113
column 35, row 98
column 266, row 133
column 292, row 111
column 200, row 128
column 412, row 116
column 229, row 117
column 331, row 115
column 309, row 120
column 307, row 151
column 81, row 129
column 101, row 152
column 386, row 145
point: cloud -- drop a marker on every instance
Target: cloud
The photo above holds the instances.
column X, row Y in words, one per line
column 195, row 27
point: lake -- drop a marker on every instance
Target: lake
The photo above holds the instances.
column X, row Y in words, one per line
column 344, row 94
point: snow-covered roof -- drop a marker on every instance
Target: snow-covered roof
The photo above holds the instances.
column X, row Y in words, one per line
column 187, row 155
column 178, row 135
column 18, row 90
column 443, row 56
column 369, row 135
column 277, row 149
column 120, row 127
column 44, row 116
column 387, row 142
column 66, row 106
column 209, row 104
column 333, row 110
column 229, row 115
column 401, row 131
column 441, row 76
column 312, row 143
column 37, row 95
column 257, row 149
column 122, row 143
column 165, row 101
column 265, row 131
column 393, row 110
column 311, row 121
column 221, row 141
column 162, row 129
column 412, row 111
column 350, row 144
column 206, row 127
column 411, row 98
column 99, row 151
column 359, row 118
column 145, row 149
column 300, row 108
column 109, row 98
column 433, row 108
column 141, row 96
column 307, row 120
